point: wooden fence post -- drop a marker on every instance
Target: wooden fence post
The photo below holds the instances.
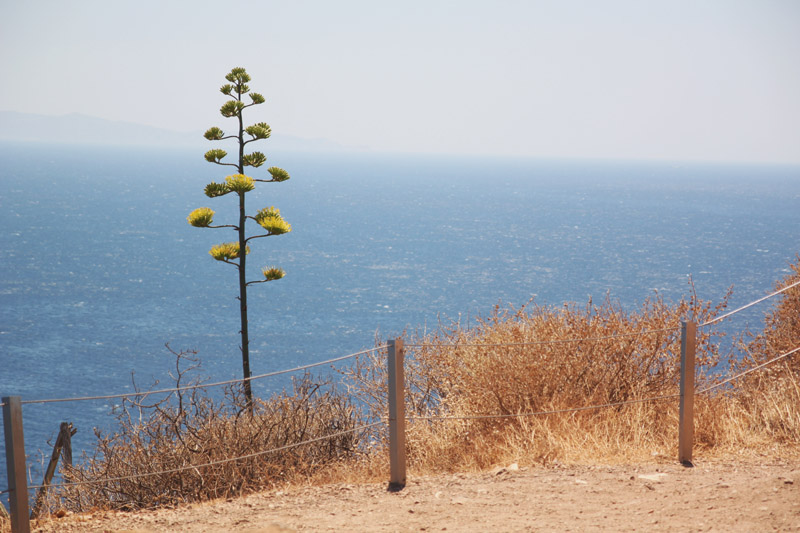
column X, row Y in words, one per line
column 397, row 416
column 62, row 447
column 15, row 465
column 686, row 428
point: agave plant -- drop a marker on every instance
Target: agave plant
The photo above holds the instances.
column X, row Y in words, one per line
column 269, row 220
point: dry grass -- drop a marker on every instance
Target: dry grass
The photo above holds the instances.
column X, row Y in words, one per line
column 766, row 403
column 541, row 359
column 514, row 362
column 528, row 361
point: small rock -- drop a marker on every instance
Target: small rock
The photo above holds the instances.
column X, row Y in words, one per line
column 653, row 477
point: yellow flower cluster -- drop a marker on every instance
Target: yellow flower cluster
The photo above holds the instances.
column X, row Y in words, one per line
column 240, row 183
column 226, row 251
column 201, row 217
column 271, row 220
column 273, row 273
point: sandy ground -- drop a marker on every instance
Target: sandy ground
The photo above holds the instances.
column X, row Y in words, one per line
column 656, row 497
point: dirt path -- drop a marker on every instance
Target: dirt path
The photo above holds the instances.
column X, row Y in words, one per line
column 667, row 497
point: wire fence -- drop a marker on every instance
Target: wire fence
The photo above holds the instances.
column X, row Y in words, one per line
column 409, row 418
column 364, row 427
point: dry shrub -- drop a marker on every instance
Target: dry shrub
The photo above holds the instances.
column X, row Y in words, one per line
column 543, row 359
column 766, row 402
column 165, row 438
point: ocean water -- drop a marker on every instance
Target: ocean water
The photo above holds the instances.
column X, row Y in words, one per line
column 99, row 269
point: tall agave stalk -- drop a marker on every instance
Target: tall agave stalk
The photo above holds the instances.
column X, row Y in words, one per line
column 268, row 219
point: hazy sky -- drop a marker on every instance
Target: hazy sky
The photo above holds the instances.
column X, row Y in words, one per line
column 674, row 79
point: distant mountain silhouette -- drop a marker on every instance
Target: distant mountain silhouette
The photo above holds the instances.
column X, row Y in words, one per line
column 75, row 128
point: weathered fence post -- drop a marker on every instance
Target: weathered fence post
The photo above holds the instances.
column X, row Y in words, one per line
column 63, row 446
column 15, row 463
column 686, row 428
column 397, row 416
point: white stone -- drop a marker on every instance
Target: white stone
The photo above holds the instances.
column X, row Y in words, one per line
column 653, row 477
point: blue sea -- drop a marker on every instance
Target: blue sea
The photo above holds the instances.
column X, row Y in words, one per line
column 99, row 268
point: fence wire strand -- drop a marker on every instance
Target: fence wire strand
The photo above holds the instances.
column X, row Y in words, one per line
column 536, row 343
column 539, row 413
column 751, row 304
column 749, row 370
column 211, row 463
column 205, row 385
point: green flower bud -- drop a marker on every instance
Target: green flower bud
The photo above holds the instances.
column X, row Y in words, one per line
column 214, row 156
column 278, row 174
column 216, row 189
column 214, row 134
column 238, row 75
column 231, row 108
column 256, row 159
column 259, row 131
